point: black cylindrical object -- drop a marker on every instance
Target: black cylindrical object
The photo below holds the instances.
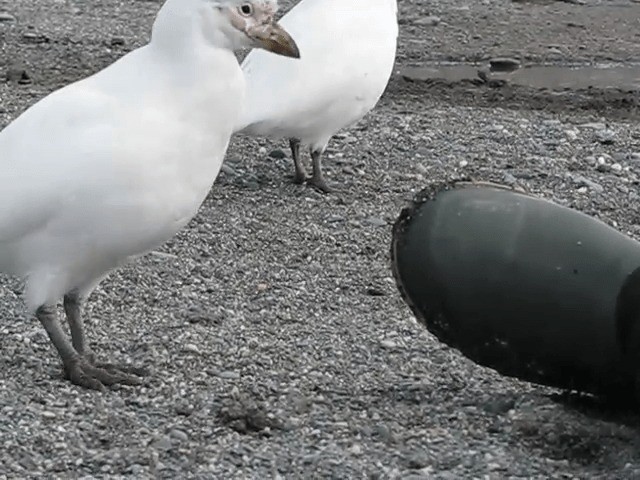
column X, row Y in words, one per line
column 529, row 288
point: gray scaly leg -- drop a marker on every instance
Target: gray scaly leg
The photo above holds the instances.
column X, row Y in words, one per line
column 300, row 176
column 317, row 180
column 72, row 309
column 77, row 369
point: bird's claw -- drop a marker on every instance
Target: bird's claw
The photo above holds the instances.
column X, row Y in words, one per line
column 320, row 184
column 86, row 374
column 299, row 178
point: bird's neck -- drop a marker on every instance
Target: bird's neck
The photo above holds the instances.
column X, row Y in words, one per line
column 182, row 30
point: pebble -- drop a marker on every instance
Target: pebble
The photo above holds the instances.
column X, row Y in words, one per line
column 571, row 134
column 7, row 17
column 18, row 75
column 417, row 460
column 594, row 126
column 226, row 169
column 428, row 21
column 179, row 435
column 606, row 137
column 163, row 443
column 356, row 449
column 277, row 154
column 376, row 222
column 191, row 348
column 585, row 184
column 504, row 64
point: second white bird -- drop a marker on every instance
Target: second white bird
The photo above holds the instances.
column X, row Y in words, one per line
column 347, row 50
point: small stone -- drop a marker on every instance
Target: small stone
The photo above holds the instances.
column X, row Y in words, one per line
column 428, row 21
column 191, row 348
column 594, row 126
column 499, row 405
column 18, row 75
column 48, row 414
column 606, row 137
column 356, row 449
column 375, row 292
column 376, row 222
column 616, row 167
column 383, row 433
column 227, row 170
column 229, row 375
column 586, row 184
column 463, row 163
column 417, row 460
column 277, row 154
column 163, row 443
column 509, row 179
column 388, row 344
column 504, row 64
column 7, row 17
column 571, row 134
column 32, row 37
column 136, row 469
column 179, row 435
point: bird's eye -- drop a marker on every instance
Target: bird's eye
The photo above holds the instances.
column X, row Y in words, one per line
column 246, row 9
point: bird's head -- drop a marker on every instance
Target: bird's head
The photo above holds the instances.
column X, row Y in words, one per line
column 231, row 24
column 254, row 21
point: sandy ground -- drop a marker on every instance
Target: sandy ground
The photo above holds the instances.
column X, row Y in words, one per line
column 278, row 343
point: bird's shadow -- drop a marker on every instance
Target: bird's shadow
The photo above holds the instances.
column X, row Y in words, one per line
column 624, row 412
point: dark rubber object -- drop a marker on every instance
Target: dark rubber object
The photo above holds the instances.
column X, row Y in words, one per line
column 531, row 289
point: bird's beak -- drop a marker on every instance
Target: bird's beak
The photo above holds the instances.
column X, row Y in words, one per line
column 274, row 38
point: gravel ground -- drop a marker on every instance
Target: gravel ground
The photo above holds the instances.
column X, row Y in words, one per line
column 278, row 343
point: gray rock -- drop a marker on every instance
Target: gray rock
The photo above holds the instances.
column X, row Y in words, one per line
column 429, row 21
column 6, row 17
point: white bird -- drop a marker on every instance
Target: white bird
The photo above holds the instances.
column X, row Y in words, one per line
column 108, row 168
column 348, row 50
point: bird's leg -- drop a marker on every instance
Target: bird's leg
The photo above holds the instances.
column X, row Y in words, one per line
column 72, row 308
column 300, row 176
column 317, row 180
column 76, row 367
column 72, row 305
column 72, row 361
column 48, row 317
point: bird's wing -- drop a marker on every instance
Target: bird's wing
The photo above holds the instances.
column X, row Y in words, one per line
column 45, row 153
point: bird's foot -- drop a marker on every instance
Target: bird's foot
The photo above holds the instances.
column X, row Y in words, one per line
column 94, row 376
column 299, row 178
column 320, row 184
column 129, row 369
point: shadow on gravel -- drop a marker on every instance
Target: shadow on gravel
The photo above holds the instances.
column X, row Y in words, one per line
column 619, row 412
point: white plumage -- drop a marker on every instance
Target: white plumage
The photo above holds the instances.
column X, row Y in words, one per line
column 112, row 166
column 347, row 49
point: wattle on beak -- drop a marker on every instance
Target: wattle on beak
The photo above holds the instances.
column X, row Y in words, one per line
column 275, row 39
